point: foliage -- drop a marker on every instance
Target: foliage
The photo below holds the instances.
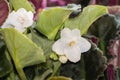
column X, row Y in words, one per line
column 105, row 29
column 29, row 55
column 5, row 65
column 86, row 18
column 16, row 4
column 22, row 50
column 4, row 11
column 51, row 20
column 92, row 61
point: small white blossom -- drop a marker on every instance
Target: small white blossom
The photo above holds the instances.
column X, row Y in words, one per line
column 20, row 20
column 71, row 44
column 63, row 59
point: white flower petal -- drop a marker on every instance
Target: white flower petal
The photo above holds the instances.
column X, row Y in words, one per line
column 25, row 18
column 76, row 32
column 11, row 15
column 8, row 21
column 73, row 53
column 20, row 29
column 66, row 33
column 30, row 14
column 19, row 20
column 6, row 25
column 58, row 47
column 71, row 45
column 21, row 10
column 84, row 44
column 29, row 19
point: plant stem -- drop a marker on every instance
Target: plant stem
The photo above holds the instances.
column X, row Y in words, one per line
column 56, row 69
column 83, row 66
column 21, row 72
column 44, row 75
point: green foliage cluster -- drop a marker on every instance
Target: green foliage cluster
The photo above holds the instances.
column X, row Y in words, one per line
column 28, row 56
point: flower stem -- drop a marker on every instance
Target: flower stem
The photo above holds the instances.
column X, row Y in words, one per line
column 83, row 66
column 21, row 73
column 44, row 75
column 56, row 69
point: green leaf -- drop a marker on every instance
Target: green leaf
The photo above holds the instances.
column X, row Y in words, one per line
column 43, row 42
column 21, row 4
column 12, row 76
column 95, row 63
column 105, row 29
column 76, row 71
column 86, row 18
column 59, row 78
column 5, row 66
column 51, row 20
column 92, row 61
column 22, row 50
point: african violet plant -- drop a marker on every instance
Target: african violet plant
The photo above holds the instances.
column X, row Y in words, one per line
column 59, row 45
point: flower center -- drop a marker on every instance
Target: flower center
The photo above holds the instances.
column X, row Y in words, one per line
column 72, row 43
column 21, row 19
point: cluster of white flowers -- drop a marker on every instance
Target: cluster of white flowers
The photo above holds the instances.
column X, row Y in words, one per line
column 70, row 45
column 20, row 20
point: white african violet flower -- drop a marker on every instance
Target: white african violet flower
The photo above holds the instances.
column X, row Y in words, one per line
column 71, row 45
column 20, row 20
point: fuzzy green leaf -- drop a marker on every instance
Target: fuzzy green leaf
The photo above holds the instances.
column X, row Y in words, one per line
column 105, row 29
column 5, row 66
column 22, row 50
column 95, row 63
column 21, row 4
column 59, row 78
column 92, row 61
column 51, row 20
column 43, row 42
column 86, row 18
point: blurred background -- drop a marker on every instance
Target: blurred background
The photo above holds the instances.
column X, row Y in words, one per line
column 45, row 3
column 113, row 5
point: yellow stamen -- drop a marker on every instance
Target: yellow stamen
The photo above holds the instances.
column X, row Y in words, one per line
column 72, row 43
